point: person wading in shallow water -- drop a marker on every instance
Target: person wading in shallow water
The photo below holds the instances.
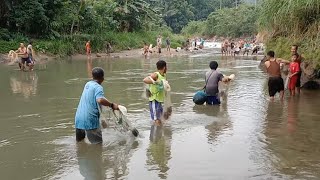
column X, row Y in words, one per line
column 294, row 51
column 87, row 115
column 23, row 53
column 212, row 79
column 88, row 48
column 157, row 92
column 275, row 82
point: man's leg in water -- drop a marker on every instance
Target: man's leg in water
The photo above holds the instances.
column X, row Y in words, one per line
column 156, row 111
column 281, row 95
column 94, row 136
column 80, row 134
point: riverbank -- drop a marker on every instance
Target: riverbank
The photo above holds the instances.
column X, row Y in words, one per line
column 133, row 53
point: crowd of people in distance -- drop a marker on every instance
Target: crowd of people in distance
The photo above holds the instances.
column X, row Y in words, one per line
column 233, row 48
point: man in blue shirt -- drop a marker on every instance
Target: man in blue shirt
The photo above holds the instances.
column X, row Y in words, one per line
column 87, row 115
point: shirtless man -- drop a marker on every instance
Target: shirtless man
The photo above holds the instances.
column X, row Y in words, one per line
column 23, row 53
column 88, row 48
column 294, row 50
column 275, row 82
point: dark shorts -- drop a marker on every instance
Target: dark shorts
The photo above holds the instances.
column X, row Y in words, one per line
column 93, row 135
column 26, row 60
column 213, row 100
column 275, row 84
column 298, row 84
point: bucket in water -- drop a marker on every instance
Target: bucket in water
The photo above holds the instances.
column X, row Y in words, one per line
column 200, row 98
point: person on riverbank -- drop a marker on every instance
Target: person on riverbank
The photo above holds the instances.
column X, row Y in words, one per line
column 212, row 79
column 159, row 44
column 168, row 42
column 275, row 81
column 156, row 91
column 23, row 53
column 294, row 51
column 88, row 48
column 87, row 115
column 294, row 74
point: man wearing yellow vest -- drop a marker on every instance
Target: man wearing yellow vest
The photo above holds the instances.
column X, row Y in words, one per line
column 157, row 92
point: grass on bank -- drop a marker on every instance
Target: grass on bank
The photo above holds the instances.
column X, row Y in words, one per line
column 307, row 47
column 69, row 45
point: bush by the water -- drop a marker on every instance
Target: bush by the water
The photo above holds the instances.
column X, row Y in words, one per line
column 68, row 45
column 285, row 23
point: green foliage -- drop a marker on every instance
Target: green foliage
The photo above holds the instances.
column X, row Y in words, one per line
column 194, row 28
column 232, row 22
column 68, row 45
column 292, row 22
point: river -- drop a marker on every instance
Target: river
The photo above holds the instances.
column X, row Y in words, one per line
column 246, row 137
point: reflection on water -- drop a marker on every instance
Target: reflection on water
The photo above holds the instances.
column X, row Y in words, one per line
column 90, row 161
column 25, row 84
column 246, row 137
column 159, row 151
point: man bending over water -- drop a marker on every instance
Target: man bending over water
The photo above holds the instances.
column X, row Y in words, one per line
column 23, row 53
column 87, row 115
column 275, row 82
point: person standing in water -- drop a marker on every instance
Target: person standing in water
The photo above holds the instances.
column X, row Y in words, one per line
column 294, row 74
column 275, row 81
column 88, row 48
column 212, row 79
column 23, row 53
column 145, row 50
column 294, row 51
column 159, row 43
column 157, row 92
column 30, row 54
column 168, row 42
column 87, row 116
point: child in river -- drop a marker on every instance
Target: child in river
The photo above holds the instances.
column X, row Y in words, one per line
column 157, row 91
column 294, row 71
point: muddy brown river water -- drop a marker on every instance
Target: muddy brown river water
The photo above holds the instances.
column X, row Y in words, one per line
column 246, row 137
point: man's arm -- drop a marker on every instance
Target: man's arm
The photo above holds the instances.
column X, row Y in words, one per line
column 105, row 102
column 267, row 64
column 280, row 60
column 151, row 79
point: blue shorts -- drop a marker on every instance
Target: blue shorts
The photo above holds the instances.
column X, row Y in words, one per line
column 156, row 110
column 213, row 100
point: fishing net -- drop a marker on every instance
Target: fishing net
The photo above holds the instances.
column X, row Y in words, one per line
column 13, row 57
column 116, row 119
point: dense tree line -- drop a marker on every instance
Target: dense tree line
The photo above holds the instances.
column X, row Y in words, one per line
column 226, row 22
column 43, row 18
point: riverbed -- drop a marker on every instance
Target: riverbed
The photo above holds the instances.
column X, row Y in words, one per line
column 246, row 137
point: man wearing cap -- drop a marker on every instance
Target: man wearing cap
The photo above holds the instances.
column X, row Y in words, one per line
column 87, row 115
